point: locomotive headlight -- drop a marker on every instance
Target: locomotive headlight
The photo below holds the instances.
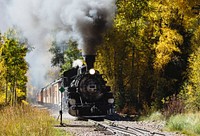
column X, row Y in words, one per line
column 111, row 100
column 92, row 71
column 72, row 101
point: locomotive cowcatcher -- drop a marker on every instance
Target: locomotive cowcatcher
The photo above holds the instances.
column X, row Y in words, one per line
column 88, row 95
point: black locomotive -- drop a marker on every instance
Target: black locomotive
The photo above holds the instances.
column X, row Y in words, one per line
column 86, row 91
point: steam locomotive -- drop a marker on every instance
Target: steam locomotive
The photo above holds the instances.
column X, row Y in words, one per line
column 86, row 92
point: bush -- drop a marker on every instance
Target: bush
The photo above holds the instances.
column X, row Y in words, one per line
column 173, row 106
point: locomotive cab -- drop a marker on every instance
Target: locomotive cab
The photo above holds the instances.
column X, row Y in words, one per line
column 88, row 94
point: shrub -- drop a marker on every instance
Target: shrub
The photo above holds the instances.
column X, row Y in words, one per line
column 173, row 106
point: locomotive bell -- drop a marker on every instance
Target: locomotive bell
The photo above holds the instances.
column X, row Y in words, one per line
column 89, row 59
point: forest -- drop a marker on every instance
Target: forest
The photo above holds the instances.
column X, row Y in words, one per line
column 150, row 57
column 13, row 68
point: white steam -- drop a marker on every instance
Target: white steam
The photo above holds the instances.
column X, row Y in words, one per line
column 81, row 20
column 78, row 63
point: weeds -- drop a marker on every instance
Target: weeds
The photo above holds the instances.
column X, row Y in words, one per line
column 155, row 116
column 185, row 123
column 26, row 121
column 188, row 124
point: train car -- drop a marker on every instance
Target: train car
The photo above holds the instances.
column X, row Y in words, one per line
column 50, row 94
column 86, row 92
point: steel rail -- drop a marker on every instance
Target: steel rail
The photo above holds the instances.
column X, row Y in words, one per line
column 114, row 129
column 138, row 130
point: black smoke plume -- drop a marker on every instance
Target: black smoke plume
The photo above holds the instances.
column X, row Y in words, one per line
column 80, row 20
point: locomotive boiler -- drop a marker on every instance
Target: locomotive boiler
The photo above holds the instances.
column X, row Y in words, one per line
column 86, row 91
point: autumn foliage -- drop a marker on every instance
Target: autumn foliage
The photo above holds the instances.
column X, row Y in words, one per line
column 13, row 69
column 151, row 53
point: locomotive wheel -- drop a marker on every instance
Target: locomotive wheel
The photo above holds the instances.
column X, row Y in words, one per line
column 74, row 97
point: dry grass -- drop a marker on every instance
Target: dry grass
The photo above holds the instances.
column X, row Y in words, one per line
column 26, row 121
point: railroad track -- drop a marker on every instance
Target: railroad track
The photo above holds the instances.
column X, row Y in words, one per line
column 113, row 128
column 109, row 127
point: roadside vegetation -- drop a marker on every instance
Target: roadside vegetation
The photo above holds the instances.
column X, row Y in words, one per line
column 27, row 121
column 185, row 123
column 188, row 124
column 178, row 116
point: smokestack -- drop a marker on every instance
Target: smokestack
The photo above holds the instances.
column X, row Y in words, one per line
column 89, row 59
